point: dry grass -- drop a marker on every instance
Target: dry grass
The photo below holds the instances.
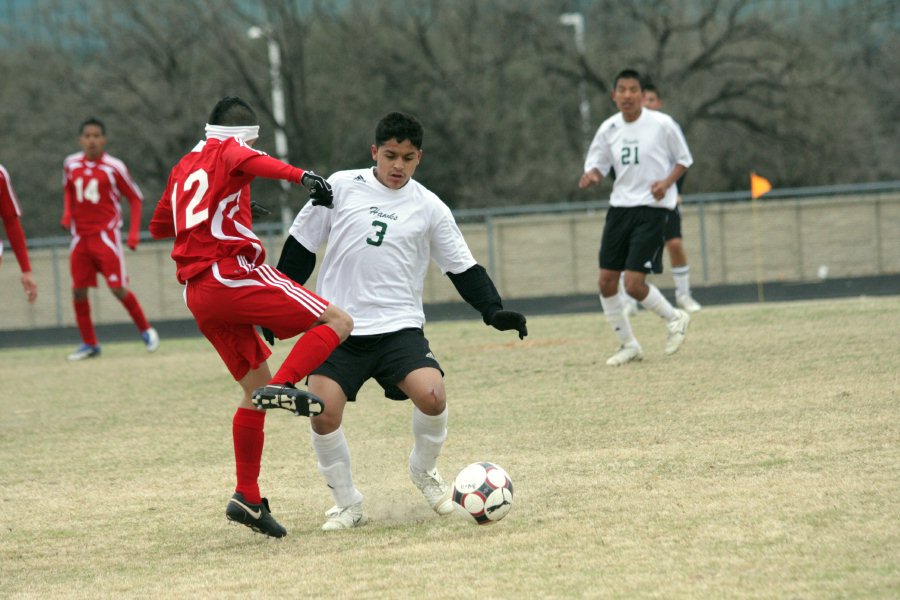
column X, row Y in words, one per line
column 762, row 461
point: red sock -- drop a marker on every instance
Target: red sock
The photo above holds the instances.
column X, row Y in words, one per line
column 83, row 319
column 309, row 352
column 131, row 304
column 247, row 431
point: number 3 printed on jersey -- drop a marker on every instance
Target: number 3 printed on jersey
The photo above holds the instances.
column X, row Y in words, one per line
column 199, row 182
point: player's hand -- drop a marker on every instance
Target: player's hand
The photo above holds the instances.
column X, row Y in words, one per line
column 592, row 177
column 319, row 189
column 30, row 286
column 269, row 335
column 133, row 242
column 504, row 320
column 258, row 210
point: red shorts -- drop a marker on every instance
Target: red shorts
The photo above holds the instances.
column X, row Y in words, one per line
column 227, row 309
column 100, row 252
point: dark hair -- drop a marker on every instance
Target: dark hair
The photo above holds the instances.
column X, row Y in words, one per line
column 399, row 126
column 628, row 74
column 232, row 111
column 648, row 86
column 92, row 121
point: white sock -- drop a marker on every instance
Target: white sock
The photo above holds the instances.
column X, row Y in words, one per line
column 429, row 433
column 618, row 320
column 333, row 455
column 622, row 293
column 682, row 277
column 657, row 303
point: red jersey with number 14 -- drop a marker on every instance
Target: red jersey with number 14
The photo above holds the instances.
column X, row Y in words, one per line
column 92, row 189
column 206, row 207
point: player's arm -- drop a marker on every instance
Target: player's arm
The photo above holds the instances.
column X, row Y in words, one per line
column 659, row 188
column 476, row 287
column 16, row 236
column 162, row 225
column 596, row 162
column 135, row 201
column 296, row 261
column 263, row 165
column 66, row 221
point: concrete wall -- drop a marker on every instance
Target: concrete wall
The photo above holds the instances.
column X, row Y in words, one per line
column 544, row 255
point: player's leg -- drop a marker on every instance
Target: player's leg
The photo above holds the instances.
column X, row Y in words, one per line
column 425, row 387
column 646, row 247
column 630, row 304
column 333, row 455
column 110, row 258
column 84, row 276
column 612, row 256
column 247, row 506
column 681, row 274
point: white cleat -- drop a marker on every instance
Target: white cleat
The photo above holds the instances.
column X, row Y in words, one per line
column 688, row 303
column 626, row 354
column 151, row 339
column 435, row 490
column 345, row 518
column 677, row 327
column 84, row 351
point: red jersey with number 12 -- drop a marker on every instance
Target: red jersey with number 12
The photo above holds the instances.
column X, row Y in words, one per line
column 206, row 207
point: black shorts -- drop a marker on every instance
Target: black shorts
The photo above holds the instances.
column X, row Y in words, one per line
column 633, row 239
column 388, row 357
column 673, row 225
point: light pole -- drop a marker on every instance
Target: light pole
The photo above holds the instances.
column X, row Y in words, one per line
column 576, row 21
column 281, row 146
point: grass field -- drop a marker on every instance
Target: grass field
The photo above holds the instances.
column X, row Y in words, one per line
column 761, row 461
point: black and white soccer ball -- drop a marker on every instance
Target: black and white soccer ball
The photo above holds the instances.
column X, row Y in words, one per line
column 484, row 492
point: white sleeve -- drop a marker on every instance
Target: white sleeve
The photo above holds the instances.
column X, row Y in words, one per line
column 599, row 154
column 312, row 225
column 448, row 247
column 677, row 145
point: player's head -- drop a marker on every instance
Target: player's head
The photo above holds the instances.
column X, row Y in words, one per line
column 231, row 111
column 92, row 137
column 651, row 97
column 627, row 93
column 397, row 150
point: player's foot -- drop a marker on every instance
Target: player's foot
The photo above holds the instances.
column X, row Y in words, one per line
column 687, row 302
column 677, row 327
column 85, row 351
column 257, row 517
column 299, row 402
column 631, row 307
column 435, row 490
column 151, row 339
column 345, row 518
column 626, row 353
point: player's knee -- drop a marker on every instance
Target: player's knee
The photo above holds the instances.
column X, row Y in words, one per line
column 326, row 422
column 340, row 321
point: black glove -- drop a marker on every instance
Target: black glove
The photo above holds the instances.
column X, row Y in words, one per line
column 269, row 335
column 505, row 320
column 258, row 210
column 319, row 189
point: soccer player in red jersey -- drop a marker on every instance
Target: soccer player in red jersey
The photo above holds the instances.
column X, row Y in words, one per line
column 206, row 207
column 10, row 211
column 93, row 184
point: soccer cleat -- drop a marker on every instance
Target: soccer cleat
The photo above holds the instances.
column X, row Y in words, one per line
column 257, row 517
column 435, row 489
column 687, row 302
column 345, row 518
column 626, row 354
column 151, row 339
column 85, row 351
column 677, row 327
column 299, row 402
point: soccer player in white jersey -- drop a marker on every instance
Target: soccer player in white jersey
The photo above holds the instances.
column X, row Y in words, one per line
column 649, row 154
column 384, row 229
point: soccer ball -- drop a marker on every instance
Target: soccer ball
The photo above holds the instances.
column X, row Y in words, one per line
column 484, row 492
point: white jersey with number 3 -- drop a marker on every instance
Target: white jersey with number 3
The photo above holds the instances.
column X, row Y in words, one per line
column 379, row 245
column 641, row 152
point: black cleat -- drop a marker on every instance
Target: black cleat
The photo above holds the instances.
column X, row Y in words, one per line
column 257, row 517
column 299, row 402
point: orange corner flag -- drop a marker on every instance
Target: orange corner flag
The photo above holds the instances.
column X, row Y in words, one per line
column 759, row 185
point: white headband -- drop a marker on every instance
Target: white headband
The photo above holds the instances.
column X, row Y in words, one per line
column 245, row 133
